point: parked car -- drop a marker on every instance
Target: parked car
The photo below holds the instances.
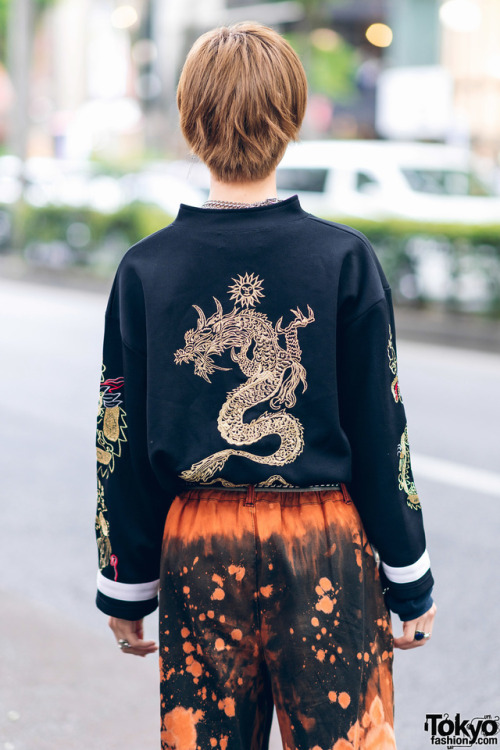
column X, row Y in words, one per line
column 157, row 185
column 61, row 182
column 384, row 179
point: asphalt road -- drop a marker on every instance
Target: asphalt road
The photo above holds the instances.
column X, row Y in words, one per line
column 63, row 683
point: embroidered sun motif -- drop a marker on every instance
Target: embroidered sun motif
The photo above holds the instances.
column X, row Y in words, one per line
column 246, row 290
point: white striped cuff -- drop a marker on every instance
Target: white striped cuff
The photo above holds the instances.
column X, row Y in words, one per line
column 408, row 573
column 127, row 592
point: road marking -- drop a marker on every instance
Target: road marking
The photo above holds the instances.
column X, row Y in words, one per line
column 457, row 475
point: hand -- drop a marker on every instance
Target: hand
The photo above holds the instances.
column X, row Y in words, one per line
column 423, row 623
column 133, row 632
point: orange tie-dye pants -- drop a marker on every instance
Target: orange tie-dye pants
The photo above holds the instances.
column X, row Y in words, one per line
column 272, row 598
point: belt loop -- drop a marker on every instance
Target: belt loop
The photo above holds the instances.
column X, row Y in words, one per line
column 347, row 499
column 250, row 498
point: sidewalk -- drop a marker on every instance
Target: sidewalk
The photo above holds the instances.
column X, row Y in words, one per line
column 447, row 329
column 67, row 688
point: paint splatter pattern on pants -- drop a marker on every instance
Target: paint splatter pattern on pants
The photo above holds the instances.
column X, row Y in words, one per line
column 272, row 600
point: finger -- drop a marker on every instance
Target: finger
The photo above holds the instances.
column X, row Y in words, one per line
column 141, row 645
column 407, row 640
column 425, row 623
column 137, row 643
column 129, row 630
column 405, row 643
column 138, row 648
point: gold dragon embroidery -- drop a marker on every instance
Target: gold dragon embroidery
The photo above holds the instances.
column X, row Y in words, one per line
column 406, row 482
column 393, row 366
column 275, row 481
column 273, row 374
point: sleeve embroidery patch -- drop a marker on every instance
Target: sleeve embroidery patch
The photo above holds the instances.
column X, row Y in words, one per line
column 406, row 482
column 111, row 424
column 393, row 366
column 102, row 529
column 273, row 373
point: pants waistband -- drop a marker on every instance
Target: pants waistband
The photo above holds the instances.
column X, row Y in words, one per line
column 286, row 496
column 257, row 488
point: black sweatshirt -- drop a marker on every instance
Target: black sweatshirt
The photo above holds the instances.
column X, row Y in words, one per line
column 251, row 346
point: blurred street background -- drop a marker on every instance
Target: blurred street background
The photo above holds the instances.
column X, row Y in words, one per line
column 401, row 140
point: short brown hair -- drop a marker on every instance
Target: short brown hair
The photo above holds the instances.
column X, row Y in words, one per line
column 242, row 96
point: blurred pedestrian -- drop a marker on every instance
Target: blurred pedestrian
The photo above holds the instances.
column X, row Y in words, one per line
column 252, row 443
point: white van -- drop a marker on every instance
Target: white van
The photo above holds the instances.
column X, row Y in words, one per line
column 385, row 179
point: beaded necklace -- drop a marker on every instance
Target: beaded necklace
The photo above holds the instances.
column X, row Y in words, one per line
column 235, row 204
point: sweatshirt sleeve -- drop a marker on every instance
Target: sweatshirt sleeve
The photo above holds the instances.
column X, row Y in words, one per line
column 131, row 505
column 382, row 487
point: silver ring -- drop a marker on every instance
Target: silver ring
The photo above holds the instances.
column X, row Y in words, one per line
column 122, row 643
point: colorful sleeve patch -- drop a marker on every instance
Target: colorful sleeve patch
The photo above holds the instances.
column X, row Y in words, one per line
column 111, row 427
column 111, row 424
column 406, row 483
column 393, row 366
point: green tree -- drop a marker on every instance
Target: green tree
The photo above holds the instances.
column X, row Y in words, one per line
column 330, row 67
column 330, row 63
column 316, row 12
